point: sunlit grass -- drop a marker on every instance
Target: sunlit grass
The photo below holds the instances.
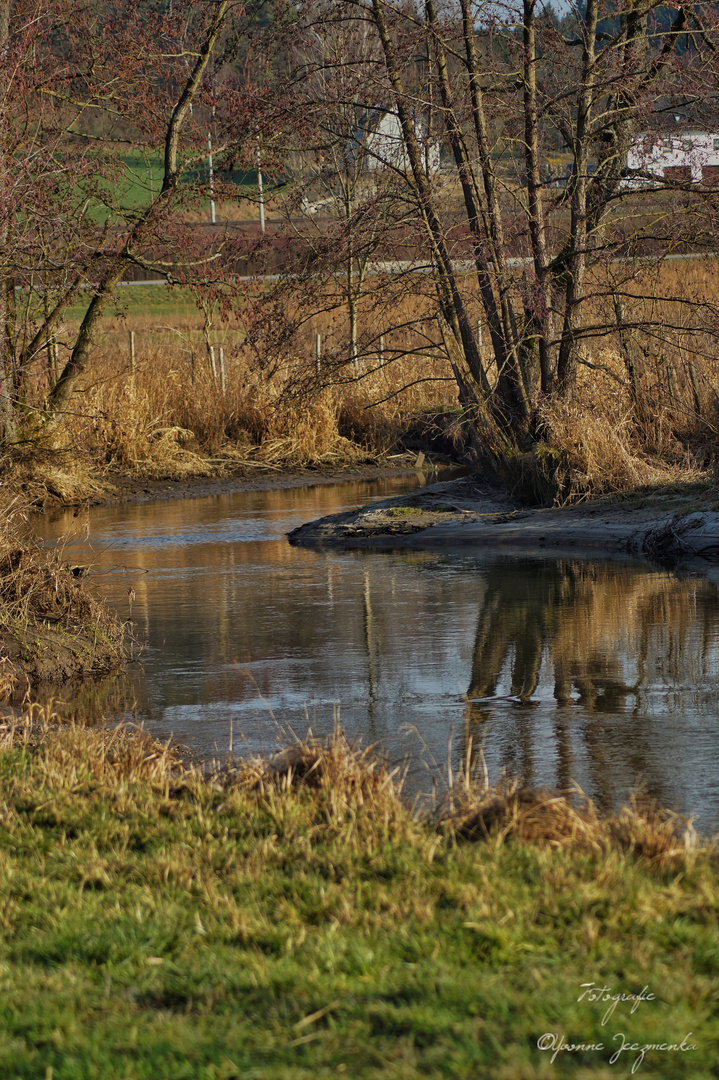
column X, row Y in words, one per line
column 297, row 920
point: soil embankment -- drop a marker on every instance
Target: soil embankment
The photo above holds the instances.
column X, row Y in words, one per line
column 51, row 629
column 669, row 525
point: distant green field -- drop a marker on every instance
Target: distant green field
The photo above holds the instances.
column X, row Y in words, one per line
column 141, row 180
column 137, row 302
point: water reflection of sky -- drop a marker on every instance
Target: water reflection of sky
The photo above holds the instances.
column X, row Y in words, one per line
column 554, row 670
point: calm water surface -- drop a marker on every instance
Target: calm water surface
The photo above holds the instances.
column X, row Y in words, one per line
column 559, row 670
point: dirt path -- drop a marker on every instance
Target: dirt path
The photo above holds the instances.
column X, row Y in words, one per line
column 673, row 525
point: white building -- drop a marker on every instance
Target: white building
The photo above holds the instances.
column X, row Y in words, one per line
column 687, row 156
column 381, row 143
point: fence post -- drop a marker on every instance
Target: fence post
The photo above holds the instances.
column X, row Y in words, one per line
column 260, row 193
column 222, row 371
column 212, row 362
column 380, row 355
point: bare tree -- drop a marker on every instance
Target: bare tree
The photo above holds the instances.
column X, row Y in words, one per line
column 7, row 425
column 92, row 91
column 349, row 170
column 538, row 117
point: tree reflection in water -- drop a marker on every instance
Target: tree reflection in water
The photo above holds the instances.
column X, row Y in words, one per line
column 599, row 641
column 558, row 669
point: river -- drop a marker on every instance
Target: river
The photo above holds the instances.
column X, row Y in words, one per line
column 552, row 670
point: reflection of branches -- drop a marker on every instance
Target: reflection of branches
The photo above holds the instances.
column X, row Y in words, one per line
column 586, row 625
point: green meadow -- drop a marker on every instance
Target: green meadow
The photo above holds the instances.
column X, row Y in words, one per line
column 281, row 923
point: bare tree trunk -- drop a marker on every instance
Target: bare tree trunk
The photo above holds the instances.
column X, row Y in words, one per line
column 579, row 234
column 494, row 211
column 537, row 231
column 352, row 295
column 7, row 413
column 450, row 297
column 504, row 339
column 63, row 389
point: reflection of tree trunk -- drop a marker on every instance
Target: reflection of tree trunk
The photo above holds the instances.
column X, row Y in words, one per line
column 367, row 603
column 528, row 657
column 490, row 650
column 562, row 682
column 601, row 772
column 587, row 690
column 589, row 638
column 526, row 727
column 565, row 757
column 518, row 760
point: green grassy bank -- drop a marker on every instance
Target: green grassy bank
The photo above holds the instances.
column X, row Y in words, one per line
column 297, row 921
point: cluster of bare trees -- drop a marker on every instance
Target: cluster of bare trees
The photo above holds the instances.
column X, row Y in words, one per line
column 532, row 229
column 472, row 154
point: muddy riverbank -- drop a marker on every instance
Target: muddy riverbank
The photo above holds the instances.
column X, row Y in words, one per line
column 51, row 629
column 131, row 489
column 671, row 525
column 53, row 482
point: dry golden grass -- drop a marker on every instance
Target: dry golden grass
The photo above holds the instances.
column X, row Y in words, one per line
column 163, row 420
column 350, row 781
column 349, row 774
column 510, row 812
column 181, row 412
column 108, row 756
column 50, row 627
column 599, row 449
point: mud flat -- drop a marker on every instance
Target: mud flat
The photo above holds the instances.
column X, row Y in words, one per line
column 672, row 526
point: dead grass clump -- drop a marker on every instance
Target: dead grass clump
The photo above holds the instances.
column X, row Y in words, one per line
column 597, row 451
column 43, row 475
column 35, row 587
column 51, row 629
column 69, row 751
column 353, row 774
column 157, row 424
column 510, row 812
column 645, row 829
